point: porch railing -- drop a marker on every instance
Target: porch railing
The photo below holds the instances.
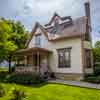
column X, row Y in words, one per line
column 25, row 69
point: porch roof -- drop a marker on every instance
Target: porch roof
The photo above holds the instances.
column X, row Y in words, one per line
column 33, row 50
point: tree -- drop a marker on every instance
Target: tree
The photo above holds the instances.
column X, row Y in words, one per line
column 13, row 36
column 96, row 52
column 97, row 44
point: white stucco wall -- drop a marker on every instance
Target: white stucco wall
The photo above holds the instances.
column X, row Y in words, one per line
column 76, row 59
column 76, row 56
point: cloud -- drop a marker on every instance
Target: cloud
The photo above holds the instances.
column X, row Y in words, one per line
column 30, row 11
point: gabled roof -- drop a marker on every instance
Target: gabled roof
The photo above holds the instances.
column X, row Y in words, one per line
column 37, row 25
column 66, row 29
column 56, row 15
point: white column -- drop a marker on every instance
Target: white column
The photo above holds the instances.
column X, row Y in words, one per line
column 38, row 65
column 25, row 60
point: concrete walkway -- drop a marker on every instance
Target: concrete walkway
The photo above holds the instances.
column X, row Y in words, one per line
column 76, row 83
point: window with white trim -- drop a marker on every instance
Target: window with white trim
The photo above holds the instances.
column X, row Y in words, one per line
column 38, row 40
column 64, row 57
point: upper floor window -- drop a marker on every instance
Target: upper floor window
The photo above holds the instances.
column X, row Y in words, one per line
column 38, row 40
column 64, row 57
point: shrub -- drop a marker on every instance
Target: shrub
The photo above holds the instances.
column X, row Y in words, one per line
column 4, row 76
column 17, row 94
column 97, row 70
column 25, row 79
column 92, row 79
column 2, row 92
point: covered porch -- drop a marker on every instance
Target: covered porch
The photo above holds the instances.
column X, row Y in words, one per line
column 32, row 60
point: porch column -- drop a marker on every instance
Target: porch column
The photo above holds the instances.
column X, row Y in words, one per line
column 48, row 62
column 32, row 60
column 38, row 62
column 16, row 61
column 25, row 60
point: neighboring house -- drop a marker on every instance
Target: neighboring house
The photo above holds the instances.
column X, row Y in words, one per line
column 62, row 46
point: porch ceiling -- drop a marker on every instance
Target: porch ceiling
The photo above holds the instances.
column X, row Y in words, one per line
column 34, row 50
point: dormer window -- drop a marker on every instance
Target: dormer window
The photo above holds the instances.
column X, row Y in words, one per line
column 38, row 40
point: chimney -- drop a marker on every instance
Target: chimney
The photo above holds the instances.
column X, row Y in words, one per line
column 87, row 11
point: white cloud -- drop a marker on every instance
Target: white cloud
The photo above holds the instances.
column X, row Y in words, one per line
column 30, row 11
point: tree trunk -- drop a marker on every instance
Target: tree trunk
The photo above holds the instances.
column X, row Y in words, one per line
column 9, row 59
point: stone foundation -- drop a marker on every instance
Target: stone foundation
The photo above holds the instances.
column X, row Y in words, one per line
column 69, row 76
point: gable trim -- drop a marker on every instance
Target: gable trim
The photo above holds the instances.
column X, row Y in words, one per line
column 34, row 30
column 57, row 15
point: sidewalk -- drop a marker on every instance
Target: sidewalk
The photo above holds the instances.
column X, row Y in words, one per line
column 76, row 83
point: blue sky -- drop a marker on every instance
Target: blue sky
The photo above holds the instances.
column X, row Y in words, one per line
column 30, row 11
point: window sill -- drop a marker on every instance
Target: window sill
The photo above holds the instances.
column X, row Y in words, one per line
column 64, row 67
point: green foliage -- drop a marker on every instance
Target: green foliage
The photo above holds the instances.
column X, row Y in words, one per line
column 92, row 79
column 2, row 91
column 97, row 44
column 17, row 94
column 96, row 52
column 4, row 76
column 25, row 79
column 13, row 36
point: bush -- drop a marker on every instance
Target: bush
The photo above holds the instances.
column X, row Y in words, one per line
column 2, row 92
column 3, row 76
column 25, row 79
column 97, row 70
column 92, row 79
column 17, row 94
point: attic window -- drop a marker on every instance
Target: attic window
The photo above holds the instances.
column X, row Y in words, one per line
column 38, row 40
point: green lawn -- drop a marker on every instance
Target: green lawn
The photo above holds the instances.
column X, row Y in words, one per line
column 3, row 69
column 53, row 92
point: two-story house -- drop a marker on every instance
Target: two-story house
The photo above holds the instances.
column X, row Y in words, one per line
column 63, row 46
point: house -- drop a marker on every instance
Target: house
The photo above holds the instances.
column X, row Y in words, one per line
column 62, row 46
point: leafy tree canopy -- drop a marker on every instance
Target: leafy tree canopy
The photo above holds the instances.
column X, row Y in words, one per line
column 96, row 51
column 13, row 36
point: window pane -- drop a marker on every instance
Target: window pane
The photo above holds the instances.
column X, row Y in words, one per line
column 67, row 55
column 64, row 57
column 38, row 40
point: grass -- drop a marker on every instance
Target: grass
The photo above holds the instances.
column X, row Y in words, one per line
column 49, row 91
column 2, row 69
column 52, row 91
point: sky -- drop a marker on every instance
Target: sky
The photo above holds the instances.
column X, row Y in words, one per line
column 31, row 11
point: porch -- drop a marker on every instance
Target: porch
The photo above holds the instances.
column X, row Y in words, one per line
column 32, row 60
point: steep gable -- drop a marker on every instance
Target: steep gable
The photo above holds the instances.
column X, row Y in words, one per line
column 38, row 29
column 57, row 19
column 61, row 28
column 68, row 28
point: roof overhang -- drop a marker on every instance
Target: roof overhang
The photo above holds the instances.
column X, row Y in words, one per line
column 66, row 37
column 34, row 50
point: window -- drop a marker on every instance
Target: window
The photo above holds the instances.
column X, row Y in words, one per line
column 64, row 57
column 88, row 58
column 38, row 40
